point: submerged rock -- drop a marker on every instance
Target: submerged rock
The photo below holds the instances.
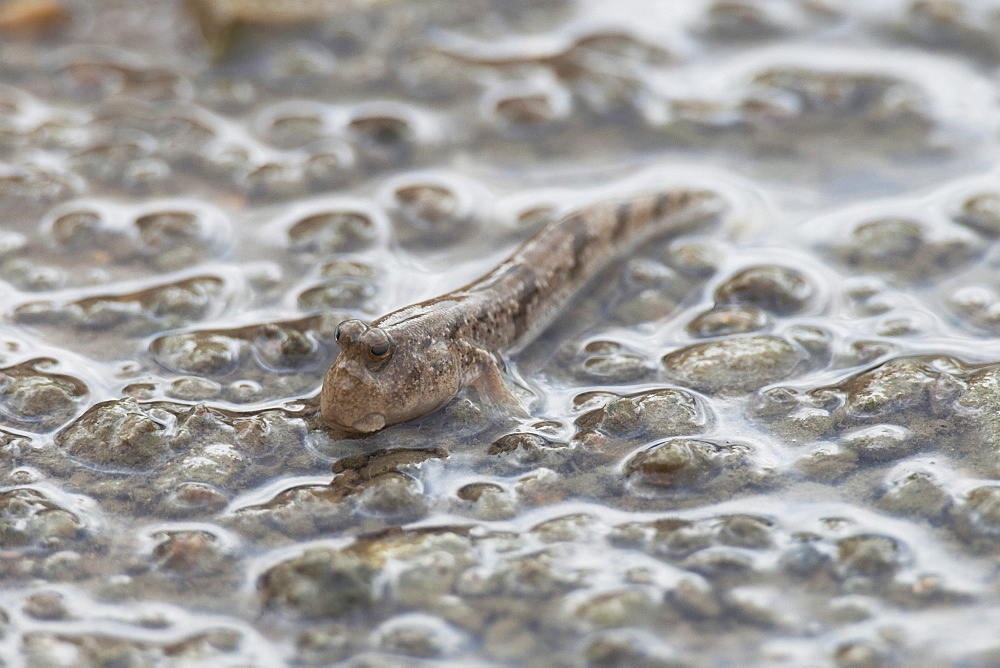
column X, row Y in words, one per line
column 30, row 517
column 38, row 400
column 321, row 583
column 727, row 320
column 338, row 230
column 688, row 464
column 120, row 434
column 906, row 248
column 651, row 414
column 773, row 288
column 737, row 364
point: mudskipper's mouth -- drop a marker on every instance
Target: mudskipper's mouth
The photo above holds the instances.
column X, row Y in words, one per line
column 366, row 425
column 369, row 423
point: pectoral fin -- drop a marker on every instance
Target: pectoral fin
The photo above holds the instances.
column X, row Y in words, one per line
column 487, row 380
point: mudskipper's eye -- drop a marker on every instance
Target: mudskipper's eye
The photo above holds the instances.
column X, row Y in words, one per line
column 336, row 334
column 381, row 349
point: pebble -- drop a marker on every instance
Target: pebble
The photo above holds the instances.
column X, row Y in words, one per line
column 319, row 583
column 678, row 464
column 198, row 353
column 325, row 232
column 665, row 412
column 727, row 320
column 119, row 434
column 418, row 636
column 879, row 443
column 906, row 248
column 779, row 290
column 29, row 517
column 39, row 400
column 738, row 364
column 916, row 489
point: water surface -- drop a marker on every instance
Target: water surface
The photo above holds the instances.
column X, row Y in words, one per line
column 772, row 441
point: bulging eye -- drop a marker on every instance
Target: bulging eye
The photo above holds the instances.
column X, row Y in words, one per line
column 336, row 334
column 381, row 349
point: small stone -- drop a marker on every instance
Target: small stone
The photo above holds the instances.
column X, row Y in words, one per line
column 526, row 449
column 118, row 434
column 513, row 109
column 541, row 487
column 629, row 647
column 45, row 400
column 429, row 206
column 64, row 565
column 887, row 240
column 383, row 140
column 915, row 490
column 192, row 499
column 980, row 513
column 337, row 293
column 679, row 539
column 198, row 353
column 693, row 596
column 192, row 388
column 290, row 130
column 905, row 385
column 489, row 501
column 29, row 517
column 684, row 463
column 827, row 463
column 738, row 364
column 859, row 654
column 655, row 413
column 274, row 179
column 213, row 464
column 982, row 213
column 870, row 555
column 720, row 563
column 758, row 606
column 806, row 556
column 419, row 636
column 325, row 644
column 727, row 320
column 510, row 639
column 613, row 609
column 851, row 609
column 879, row 443
column 334, row 231
column 568, row 528
column 393, row 496
column 905, row 248
column 609, row 362
column 746, row 531
column 320, row 583
column 46, row 606
column 282, row 348
column 773, row 288
column 186, row 551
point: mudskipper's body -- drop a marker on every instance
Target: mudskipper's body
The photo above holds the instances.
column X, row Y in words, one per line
column 414, row 360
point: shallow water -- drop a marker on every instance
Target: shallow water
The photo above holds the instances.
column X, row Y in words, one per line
column 771, row 441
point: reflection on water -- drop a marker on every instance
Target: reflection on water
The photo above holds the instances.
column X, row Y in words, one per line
column 772, row 440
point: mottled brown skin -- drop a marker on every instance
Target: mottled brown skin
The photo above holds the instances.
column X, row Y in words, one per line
column 414, row 360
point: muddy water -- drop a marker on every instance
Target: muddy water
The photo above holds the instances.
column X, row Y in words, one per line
column 771, row 441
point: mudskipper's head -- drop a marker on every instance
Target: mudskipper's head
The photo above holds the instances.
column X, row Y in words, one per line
column 378, row 379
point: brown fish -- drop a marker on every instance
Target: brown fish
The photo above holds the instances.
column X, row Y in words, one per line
column 414, row 360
